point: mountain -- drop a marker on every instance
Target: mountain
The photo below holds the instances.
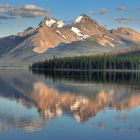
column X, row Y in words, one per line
column 84, row 36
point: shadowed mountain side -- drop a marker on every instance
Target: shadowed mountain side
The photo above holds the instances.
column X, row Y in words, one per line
column 88, row 47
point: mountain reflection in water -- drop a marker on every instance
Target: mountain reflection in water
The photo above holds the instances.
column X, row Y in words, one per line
column 30, row 101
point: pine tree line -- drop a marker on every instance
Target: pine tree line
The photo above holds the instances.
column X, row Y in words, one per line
column 90, row 63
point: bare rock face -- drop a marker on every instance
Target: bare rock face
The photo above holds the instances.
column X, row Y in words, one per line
column 52, row 32
column 89, row 26
column 127, row 34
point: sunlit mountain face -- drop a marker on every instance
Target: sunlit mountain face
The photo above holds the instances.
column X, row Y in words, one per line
column 36, row 103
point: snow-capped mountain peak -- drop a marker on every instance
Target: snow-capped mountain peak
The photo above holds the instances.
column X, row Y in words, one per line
column 78, row 19
column 51, row 22
column 83, row 19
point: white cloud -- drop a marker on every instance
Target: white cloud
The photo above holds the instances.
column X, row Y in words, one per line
column 92, row 12
column 103, row 11
column 124, row 20
column 121, row 8
column 7, row 6
column 27, row 11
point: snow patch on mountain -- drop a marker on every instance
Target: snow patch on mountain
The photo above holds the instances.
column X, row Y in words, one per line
column 79, row 33
column 50, row 22
column 108, row 37
column 76, row 31
column 78, row 19
column 64, row 37
column 105, row 42
column 58, row 32
column 60, row 24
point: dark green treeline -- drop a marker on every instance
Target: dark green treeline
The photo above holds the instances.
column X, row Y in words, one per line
column 90, row 63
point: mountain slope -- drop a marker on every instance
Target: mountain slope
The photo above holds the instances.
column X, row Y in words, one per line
column 84, row 36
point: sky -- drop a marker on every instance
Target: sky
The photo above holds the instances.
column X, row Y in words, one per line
column 17, row 15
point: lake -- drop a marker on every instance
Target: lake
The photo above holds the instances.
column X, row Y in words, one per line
column 69, row 105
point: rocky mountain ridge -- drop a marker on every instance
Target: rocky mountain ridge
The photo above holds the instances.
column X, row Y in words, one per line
column 53, row 36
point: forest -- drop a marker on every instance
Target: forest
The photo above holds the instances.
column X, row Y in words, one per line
column 89, row 63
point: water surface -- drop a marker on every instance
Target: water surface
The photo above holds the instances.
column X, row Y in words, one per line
column 69, row 106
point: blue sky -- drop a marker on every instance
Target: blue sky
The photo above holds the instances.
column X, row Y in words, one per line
column 109, row 13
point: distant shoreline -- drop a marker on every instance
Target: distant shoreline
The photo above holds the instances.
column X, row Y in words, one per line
column 79, row 70
column 68, row 70
column 14, row 67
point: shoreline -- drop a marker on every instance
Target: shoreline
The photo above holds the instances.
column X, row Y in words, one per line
column 79, row 70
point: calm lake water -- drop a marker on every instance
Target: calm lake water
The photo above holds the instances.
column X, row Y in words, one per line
column 69, row 106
